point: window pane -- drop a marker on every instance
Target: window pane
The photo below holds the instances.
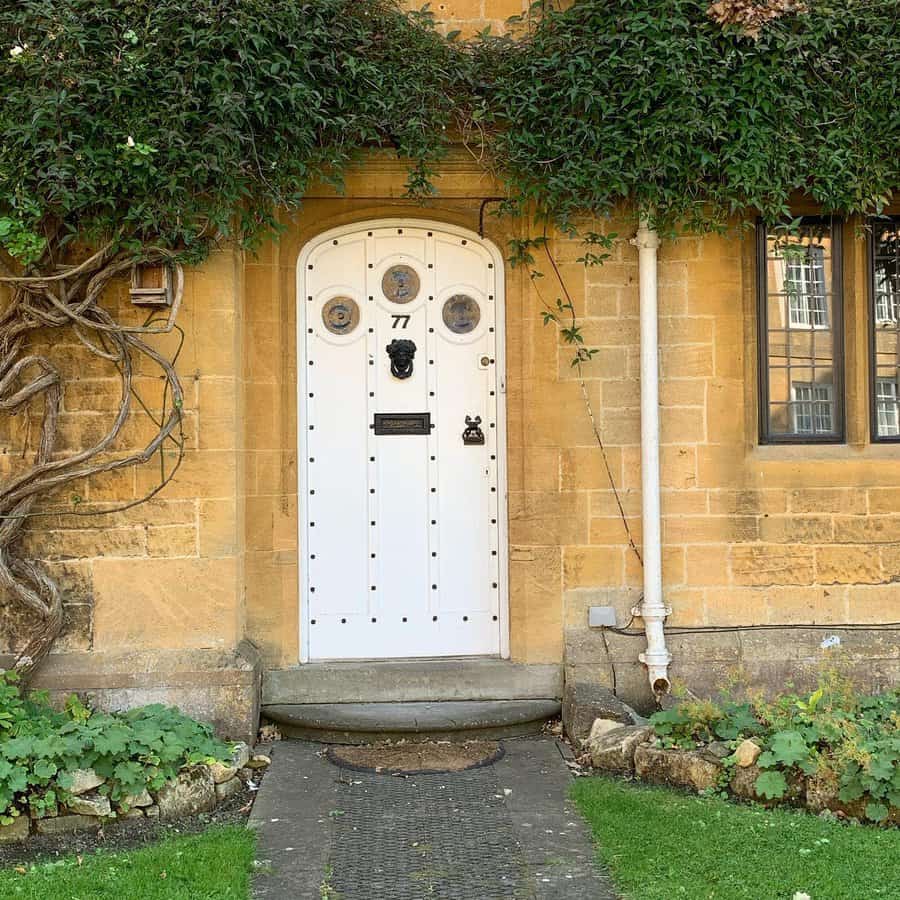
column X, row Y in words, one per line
column 886, row 308
column 812, row 404
column 777, row 311
column 799, row 305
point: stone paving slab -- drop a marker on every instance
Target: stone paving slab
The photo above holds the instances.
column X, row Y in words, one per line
column 554, row 837
column 504, row 830
column 291, row 816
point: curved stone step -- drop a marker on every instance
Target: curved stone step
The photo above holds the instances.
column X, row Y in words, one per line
column 354, row 723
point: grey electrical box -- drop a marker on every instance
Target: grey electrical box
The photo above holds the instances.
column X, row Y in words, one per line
column 600, row 616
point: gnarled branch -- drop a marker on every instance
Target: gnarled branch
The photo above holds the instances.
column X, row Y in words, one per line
column 70, row 298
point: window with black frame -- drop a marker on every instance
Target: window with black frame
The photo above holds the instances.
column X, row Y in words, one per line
column 800, row 332
column 884, row 366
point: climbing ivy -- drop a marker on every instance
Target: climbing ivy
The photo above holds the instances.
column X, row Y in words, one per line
column 653, row 101
column 170, row 123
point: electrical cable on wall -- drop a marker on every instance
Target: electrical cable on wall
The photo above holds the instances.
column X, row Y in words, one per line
column 726, row 629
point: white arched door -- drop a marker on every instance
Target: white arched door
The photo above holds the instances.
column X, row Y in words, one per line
column 402, row 443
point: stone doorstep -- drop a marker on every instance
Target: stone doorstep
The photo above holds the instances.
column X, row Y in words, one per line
column 412, row 681
column 459, row 719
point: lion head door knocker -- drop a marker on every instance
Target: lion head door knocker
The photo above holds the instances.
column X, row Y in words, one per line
column 402, row 354
column 473, row 435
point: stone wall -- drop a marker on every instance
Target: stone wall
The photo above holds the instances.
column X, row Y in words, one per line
column 166, row 575
column 752, row 534
column 134, row 578
column 470, row 16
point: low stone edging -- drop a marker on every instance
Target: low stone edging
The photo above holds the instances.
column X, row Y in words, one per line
column 197, row 789
column 631, row 750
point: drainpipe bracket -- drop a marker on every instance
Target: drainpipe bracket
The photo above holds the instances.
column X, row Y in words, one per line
column 663, row 611
column 655, row 657
column 645, row 239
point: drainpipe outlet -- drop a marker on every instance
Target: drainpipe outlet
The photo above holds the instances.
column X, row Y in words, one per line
column 656, row 657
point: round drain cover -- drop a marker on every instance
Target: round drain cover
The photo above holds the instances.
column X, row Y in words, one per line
column 414, row 758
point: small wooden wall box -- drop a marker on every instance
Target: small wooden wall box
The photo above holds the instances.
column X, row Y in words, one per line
column 151, row 285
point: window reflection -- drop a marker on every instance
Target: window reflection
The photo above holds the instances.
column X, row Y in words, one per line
column 886, row 337
column 799, row 333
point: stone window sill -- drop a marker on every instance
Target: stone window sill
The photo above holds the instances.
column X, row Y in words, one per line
column 813, row 452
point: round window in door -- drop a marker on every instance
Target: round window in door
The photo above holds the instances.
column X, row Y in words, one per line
column 400, row 284
column 461, row 314
column 340, row 315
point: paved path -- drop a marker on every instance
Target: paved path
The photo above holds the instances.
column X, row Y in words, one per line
column 504, row 830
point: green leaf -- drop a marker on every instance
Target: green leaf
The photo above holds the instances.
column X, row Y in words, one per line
column 851, row 790
column 877, row 812
column 17, row 780
column 882, row 766
column 789, row 747
column 808, row 766
column 771, row 785
column 44, row 768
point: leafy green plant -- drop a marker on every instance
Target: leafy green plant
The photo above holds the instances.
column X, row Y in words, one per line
column 19, row 241
column 771, row 785
column 844, row 738
column 702, row 721
column 835, row 734
column 40, row 747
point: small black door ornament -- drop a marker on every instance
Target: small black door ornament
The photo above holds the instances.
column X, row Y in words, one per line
column 473, row 435
column 402, row 353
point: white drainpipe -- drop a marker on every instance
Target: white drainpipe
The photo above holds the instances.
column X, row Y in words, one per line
column 652, row 610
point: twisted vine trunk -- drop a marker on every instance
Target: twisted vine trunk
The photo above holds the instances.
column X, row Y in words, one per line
column 70, row 299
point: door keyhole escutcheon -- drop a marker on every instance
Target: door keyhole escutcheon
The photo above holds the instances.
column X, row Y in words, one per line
column 473, row 435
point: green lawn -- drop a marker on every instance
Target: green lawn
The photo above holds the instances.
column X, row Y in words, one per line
column 661, row 844
column 214, row 865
